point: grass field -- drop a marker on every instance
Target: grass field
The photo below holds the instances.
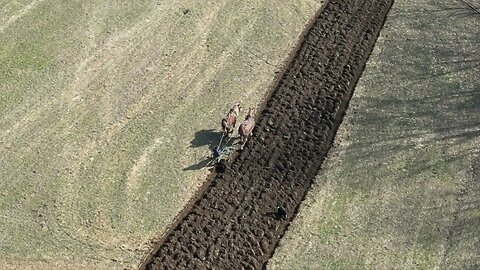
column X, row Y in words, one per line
column 401, row 186
column 107, row 110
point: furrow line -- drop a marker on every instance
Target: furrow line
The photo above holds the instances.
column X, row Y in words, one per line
column 234, row 223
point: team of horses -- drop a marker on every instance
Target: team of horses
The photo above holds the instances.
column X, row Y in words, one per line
column 246, row 127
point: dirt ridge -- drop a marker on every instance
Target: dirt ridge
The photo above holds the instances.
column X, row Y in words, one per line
column 233, row 223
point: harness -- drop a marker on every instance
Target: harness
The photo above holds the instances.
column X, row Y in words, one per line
column 231, row 117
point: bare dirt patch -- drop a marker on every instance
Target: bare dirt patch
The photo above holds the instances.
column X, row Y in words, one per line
column 233, row 223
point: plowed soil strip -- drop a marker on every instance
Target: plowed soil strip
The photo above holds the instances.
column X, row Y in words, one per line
column 232, row 224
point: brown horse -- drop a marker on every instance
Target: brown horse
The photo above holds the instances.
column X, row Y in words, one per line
column 246, row 127
column 229, row 122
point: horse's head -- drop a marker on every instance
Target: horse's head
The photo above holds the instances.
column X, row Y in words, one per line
column 251, row 113
column 237, row 105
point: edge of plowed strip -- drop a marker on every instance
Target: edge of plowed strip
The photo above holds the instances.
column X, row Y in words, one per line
column 232, row 157
column 336, row 125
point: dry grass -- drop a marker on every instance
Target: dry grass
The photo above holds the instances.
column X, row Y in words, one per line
column 106, row 109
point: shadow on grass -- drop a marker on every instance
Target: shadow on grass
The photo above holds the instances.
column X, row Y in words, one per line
column 435, row 133
column 200, row 165
column 460, row 8
column 212, row 139
column 431, row 96
column 423, row 120
column 206, row 137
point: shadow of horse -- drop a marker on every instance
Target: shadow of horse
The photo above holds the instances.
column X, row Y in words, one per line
column 212, row 138
column 205, row 137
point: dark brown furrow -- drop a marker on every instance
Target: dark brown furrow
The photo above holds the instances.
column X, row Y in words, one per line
column 233, row 225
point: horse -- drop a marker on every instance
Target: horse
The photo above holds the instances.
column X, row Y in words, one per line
column 246, row 127
column 229, row 122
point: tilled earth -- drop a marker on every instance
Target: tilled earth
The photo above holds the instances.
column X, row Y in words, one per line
column 234, row 224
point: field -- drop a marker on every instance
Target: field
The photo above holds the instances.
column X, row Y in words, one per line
column 235, row 223
column 400, row 188
column 108, row 109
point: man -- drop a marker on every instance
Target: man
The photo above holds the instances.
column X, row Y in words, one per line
column 216, row 152
column 281, row 212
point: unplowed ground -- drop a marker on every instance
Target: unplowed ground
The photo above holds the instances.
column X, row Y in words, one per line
column 103, row 134
column 233, row 225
